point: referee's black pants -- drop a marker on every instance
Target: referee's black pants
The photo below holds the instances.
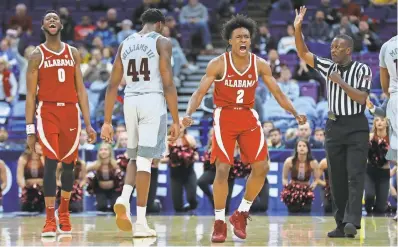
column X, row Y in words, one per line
column 346, row 150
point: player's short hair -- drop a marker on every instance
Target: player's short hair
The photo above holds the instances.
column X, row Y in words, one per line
column 152, row 16
column 275, row 130
column 48, row 12
column 347, row 38
column 239, row 21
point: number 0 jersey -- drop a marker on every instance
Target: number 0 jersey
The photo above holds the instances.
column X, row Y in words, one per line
column 141, row 64
column 234, row 88
column 56, row 81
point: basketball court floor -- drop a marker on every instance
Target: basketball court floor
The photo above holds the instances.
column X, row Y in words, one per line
column 100, row 230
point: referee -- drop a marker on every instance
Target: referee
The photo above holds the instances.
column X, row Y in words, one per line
column 347, row 129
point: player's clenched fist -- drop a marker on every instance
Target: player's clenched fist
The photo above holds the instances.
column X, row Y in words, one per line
column 107, row 132
column 187, row 121
column 301, row 119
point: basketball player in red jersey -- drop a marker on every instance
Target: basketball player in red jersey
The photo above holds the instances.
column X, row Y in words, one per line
column 235, row 75
column 54, row 77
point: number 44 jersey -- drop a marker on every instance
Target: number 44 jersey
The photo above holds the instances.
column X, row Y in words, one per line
column 141, row 64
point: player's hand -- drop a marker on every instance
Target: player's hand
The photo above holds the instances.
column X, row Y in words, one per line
column 369, row 104
column 335, row 77
column 92, row 135
column 174, row 132
column 107, row 132
column 31, row 141
column 298, row 21
column 301, row 119
column 187, row 121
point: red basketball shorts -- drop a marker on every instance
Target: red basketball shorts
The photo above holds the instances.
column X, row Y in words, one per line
column 242, row 126
column 58, row 128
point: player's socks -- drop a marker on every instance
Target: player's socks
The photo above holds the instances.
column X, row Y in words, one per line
column 220, row 214
column 126, row 193
column 64, row 205
column 141, row 215
column 245, row 205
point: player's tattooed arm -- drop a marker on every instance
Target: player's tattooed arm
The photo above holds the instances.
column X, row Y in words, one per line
column 82, row 96
column 32, row 76
column 213, row 70
column 265, row 72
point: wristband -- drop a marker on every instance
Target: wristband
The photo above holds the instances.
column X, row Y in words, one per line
column 30, row 129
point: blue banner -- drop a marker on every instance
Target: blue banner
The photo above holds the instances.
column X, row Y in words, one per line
column 11, row 194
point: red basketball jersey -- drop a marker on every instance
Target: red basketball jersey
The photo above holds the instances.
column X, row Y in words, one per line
column 236, row 89
column 57, row 76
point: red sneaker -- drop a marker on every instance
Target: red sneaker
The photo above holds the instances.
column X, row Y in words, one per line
column 50, row 228
column 63, row 222
column 239, row 221
column 219, row 232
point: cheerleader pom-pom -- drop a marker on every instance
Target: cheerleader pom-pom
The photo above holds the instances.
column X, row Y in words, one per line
column 77, row 192
column 92, row 184
column 119, row 181
column 122, row 161
column 377, row 152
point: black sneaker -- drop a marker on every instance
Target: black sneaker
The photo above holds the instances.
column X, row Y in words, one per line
column 337, row 233
column 350, row 230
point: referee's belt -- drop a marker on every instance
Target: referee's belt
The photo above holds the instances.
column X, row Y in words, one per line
column 334, row 117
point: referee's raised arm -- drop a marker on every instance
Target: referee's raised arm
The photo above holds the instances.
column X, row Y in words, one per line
column 302, row 50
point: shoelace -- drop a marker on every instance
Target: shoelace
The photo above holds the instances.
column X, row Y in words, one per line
column 50, row 221
column 64, row 219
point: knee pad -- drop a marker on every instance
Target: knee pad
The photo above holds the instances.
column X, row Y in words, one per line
column 144, row 164
column 49, row 180
column 67, row 177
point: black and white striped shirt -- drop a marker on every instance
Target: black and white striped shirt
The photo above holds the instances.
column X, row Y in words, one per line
column 357, row 75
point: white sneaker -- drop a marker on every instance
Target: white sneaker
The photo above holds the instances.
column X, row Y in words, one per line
column 122, row 211
column 143, row 231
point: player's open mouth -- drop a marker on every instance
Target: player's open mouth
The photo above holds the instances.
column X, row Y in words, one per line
column 242, row 48
column 53, row 27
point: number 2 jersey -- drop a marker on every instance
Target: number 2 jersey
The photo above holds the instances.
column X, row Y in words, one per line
column 141, row 64
column 236, row 89
column 56, row 81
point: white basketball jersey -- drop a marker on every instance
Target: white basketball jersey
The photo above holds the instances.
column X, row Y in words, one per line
column 389, row 59
column 141, row 64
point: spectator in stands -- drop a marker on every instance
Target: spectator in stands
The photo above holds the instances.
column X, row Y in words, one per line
column 111, row 17
column 23, row 66
column 97, row 43
column 181, row 63
column 122, row 140
column 352, row 10
column 98, row 86
column 104, row 31
column 8, row 83
column 264, row 41
column 164, row 5
column 274, row 63
column 76, row 199
column 288, row 86
column 117, row 110
column 283, row 5
column 225, row 8
column 84, row 29
column 105, row 180
column 91, row 71
column 3, row 180
column 318, row 29
column 290, row 135
column 304, row 133
column 196, row 16
column 275, row 136
column 146, row 4
column 126, row 31
column 367, row 39
column 21, row 18
column 303, row 72
column 319, row 136
column 30, row 173
column 67, row 33
column 172, row 25
column 7, row 53
column 331, row 15
column 85, row 56
column 301, row 166
column 325, row 192
column 83, row 143
column 287, row 44
column 377, row 179
column 344, row 27
column 267, row 127
column 107, row 55
column 181, row 158
column 120, row 128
